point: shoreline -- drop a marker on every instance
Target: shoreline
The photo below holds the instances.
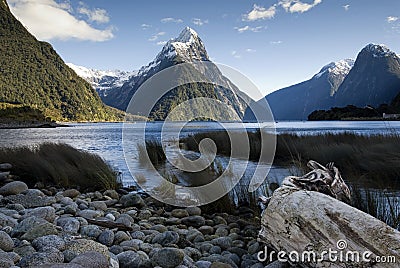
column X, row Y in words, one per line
column 23, row 125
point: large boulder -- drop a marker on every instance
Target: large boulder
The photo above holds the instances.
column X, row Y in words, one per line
column 39, row 231
column 6, row 260
column 27, row 224
column 90, row 214
column 31, row 199
column 111, row 193
column 179, row 213
column 168, row 257
column 80, row 246
column 130, row 259
column 69, row 224
column 106, row 238
column 91, row 231
column 91, row 259
column 194, row 221
column 132, row 200
column 49, row 241
column 11, row 188
column 47, row 213
column 297, row 220
column 6, row 243
column 49, row 255
column 71, row 193
column 6, row 220
column 166, row 238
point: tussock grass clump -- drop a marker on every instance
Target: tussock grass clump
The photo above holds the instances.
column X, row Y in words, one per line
column 223, row 143
column 368, row 160
column 60, row 165
column 372, row 158
column 154, row 150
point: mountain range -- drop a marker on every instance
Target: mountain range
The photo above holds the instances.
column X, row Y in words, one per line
column 371, row 80
column 33, row 74
column 117, row 90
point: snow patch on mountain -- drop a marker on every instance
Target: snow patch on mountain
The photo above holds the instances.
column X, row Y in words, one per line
column 335, row 73
column 341, row 67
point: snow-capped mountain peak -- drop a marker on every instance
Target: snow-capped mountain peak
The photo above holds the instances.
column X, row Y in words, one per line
column 187, row 47
column 102, row 80
column 379, row 51
column 188, row 35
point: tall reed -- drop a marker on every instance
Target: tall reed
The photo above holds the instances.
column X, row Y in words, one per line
column 152, row 150
column 60, row 165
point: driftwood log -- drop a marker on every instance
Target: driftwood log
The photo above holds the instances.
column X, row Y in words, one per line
column 299, row 223
column 109, row 224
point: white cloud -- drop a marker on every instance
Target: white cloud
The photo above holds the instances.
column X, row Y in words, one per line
column 48, row 20
column 250, row 50
column 145, row 26
column 199, row 22
column 276, row 42
column 291, row 6
column 260, row 13
column 235, row 54
column 174, row 20
column 296, row 6
column 247, row 28
column 394, row 23
column 97, row 14
column 156, row 36
column 161, row 43
column 392, row 19
column 346, row 7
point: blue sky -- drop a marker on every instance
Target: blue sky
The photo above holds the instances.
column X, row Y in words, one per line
column 276, row 43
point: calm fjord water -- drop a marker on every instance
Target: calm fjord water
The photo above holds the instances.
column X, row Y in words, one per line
column 105, row 139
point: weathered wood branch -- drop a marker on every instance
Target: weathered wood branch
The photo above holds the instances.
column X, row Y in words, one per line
column 306, row 215
column 300, row 220
column 110, row 224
